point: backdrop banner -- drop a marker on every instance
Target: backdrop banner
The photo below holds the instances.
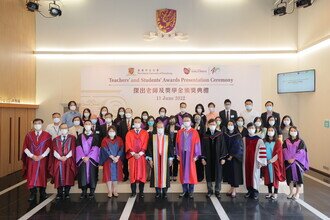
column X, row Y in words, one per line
column 151, row 87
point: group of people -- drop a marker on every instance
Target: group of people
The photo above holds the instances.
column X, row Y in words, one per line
column 219, row 147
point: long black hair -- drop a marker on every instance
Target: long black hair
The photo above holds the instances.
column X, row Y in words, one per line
column 282, row 123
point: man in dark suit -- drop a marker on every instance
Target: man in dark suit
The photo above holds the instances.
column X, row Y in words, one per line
column 228, row 113
column 104, row 128
column 96, row 128
column 122, row 129
column 264, row 116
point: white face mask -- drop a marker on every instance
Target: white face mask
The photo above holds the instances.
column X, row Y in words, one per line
column 112, row 134
column 137, row 125
column 37, row 127
column 144, row 117
column 108, row 120
column 121, row 113
column 56, row 120
column 160, row 131
column 212, row 127
column 88, row 128
column 211, row 109
column 64, row 131
column 230, row 127
column 286, row 122
column 240, row 124
column 93, row 121
column 269, row 108
column 271, row 123
column 86, row 114
column 128, row 115
column 252, row 131
column 187, row 124
column 248, row 107
column 293, row 134
column 199, row 110
column 258, row 123
column 162, row 114
column 218, row 123
column 76, row 123
column 104, row 112
column 271, row 133
column 183, row 110
column 73, row 107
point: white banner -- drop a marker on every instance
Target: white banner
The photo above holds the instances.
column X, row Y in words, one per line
column 151, row 87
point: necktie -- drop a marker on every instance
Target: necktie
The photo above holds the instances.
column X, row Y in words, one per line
column 38, row 134
column 227, row 115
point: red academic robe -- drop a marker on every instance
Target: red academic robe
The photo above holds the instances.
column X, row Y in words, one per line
column 36, row 172
column 278, row 167
column 188, row 172
column 63, row 173
column 137, row 143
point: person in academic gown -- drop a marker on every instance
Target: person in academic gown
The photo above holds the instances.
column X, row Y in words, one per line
column 124, row 126
column 144, row 117
column 254, row 158
column 120, row 116
column 200, row 127
column 62, row 162
column 160, row 157
column 36, row 147
column 162, row 116
column 274, row 172
column 295, row 160
column 87, row 160
column 234, row 163
column 136, row 147
column 101, row 119
column 111, row 156
column 172, row 130
column 188, row 150
column 183, row 113
column 214, row 152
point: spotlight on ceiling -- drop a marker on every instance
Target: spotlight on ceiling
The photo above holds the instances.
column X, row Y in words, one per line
column 303, row 3
column 54, row 9
column 280, row 9
column 32, row 5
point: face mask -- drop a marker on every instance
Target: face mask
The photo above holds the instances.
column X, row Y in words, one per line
column 160, row 131
column 271, row 123
column 212, row 127
column 76, row 123
column 252, row 131
column 73, row 107
column 258, row 123
column 269, row 108
column 287, row 122
column 183, row 110
column 271, row 133
column 112, row 134
column 145, row 117
column 121, row 113
column 199, row 110
column 293, row 134
column 227, row 107
column 37, row 127
column 162, row 114
column 230, row 127
column 108, row 120
column 248, row 107
column 128, row 115
column 240, row 124
column 88, row 127
column 137, row 125
column 64, row 131
column 56, row 120
column 218, row 123
column 104, row 112
column 187, row 124
column 94, row 121
column 211, row 109
column 86, row 114
column 151, row 123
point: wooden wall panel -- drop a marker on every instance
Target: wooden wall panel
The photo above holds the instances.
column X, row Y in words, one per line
column 17, row 43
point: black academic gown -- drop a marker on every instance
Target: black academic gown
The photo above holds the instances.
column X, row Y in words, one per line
column 213, row 150
column 150, row 154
